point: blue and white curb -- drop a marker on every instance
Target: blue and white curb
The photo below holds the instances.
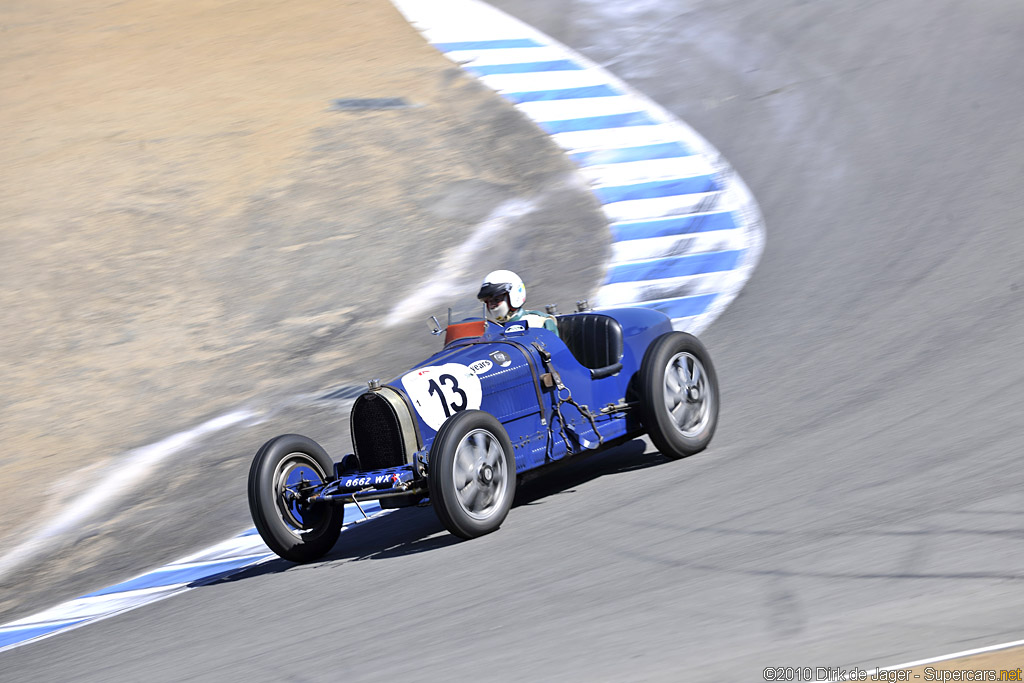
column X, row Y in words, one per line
column 686, row 232
column 245, row 550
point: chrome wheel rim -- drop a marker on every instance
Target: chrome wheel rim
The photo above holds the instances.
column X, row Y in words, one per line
column 480, row 474
column 289, row 478
column 688, row 394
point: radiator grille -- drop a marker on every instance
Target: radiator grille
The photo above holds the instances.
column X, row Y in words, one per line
column 376, row 434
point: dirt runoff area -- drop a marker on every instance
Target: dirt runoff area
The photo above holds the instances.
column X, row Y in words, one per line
column 188, row 222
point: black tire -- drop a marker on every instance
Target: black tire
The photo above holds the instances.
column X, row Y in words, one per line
column 473, row 447
column 296, row 533
column 680, row 422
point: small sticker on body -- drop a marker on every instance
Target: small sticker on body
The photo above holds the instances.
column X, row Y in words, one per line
column 501, row 358
column 480, row 366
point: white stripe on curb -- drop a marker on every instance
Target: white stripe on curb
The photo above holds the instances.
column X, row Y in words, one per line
column 552, row 80
column 228, row 557
column 561, row 110
column 507, row 56
column 633, row 136
column 629, row 251
column 632, row 172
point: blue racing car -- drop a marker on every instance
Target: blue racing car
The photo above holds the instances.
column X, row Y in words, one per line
column 495, row 402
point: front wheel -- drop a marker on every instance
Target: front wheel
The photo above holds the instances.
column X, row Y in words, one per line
column 284, row 469
column 472, row 474
column 679, row 395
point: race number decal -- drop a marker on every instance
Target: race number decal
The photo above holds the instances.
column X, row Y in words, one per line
column 439, row 391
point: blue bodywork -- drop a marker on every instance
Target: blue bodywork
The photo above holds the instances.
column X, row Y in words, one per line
column 516, row 395
column 550, row 404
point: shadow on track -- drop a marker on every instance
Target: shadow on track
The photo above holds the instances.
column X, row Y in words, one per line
column 416, row 530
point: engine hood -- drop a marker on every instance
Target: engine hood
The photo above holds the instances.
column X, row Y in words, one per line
column 497, row 373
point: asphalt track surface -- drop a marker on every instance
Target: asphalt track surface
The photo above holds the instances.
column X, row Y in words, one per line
column 861, row 503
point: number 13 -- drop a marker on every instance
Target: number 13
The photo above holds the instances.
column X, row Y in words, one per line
column 435, row 388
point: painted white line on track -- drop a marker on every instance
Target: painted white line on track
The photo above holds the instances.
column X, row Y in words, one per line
column 944, row 658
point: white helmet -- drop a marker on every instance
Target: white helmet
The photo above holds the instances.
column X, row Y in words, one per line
column 504, row 293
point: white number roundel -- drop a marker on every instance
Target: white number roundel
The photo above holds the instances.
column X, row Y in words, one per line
column 439, row 391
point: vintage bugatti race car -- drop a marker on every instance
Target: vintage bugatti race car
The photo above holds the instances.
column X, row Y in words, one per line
column 495, row 402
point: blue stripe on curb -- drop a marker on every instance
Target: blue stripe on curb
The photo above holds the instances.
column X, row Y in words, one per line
column 198, row 569
column 657, row 188
column 600, row 157
column 679, row 266
column 561, row 94
column 171, row 575
column 486, row 44
column 633, row 118
column 684, row 307
column 17, row 635
column 677, row 225
column 524, row 68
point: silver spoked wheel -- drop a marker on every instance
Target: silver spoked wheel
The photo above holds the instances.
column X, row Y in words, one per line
column 688, row 394
column 472, row 474
column 295, row 472
column 480, row 474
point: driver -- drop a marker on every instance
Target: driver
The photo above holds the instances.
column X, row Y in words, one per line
column 504, row 294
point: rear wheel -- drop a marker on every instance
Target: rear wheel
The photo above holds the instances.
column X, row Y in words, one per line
column 472, row 474
column 679, row 395
column 283, row 470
